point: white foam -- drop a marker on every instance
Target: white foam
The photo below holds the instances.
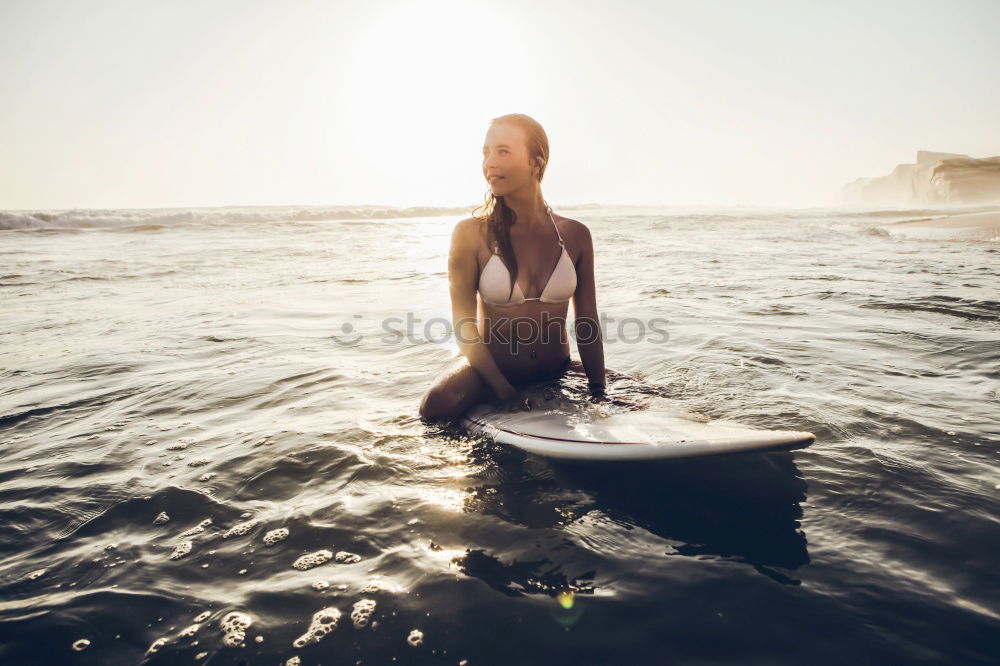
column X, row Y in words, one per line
column 240, row 529
column 323, row 622
column 274, row 536
column 312, row 560
column 234, row 627
column 362, row 612
column 181, row 549
column 162, row 518
column 416, row 638
column 345, row 557
column 202, row 617
column 36, row 574
column 187, row 632
column 293, row 661
column 320, row 585
column 198, row 529
column 81, row 645
column 199, row 462
column 156, row 645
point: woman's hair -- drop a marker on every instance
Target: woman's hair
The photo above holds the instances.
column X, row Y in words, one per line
column 498, row 215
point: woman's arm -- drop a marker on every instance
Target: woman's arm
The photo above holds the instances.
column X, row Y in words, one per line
column 587, row 327
column 463, row 273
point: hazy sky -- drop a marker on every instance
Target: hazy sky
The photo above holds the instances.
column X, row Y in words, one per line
column 176, row 103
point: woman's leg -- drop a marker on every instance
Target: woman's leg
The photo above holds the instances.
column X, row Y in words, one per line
column 457, row 388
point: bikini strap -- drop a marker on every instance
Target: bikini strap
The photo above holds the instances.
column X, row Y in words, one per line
column 557, row 228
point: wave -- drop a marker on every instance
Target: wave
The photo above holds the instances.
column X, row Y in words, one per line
column 911, row 213
column 151, row 219
column 167, row 217
column 954, row 306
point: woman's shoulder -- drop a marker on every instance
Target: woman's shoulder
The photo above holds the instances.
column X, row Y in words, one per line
column 470, row 232
column 573, row 230
column 470, row 225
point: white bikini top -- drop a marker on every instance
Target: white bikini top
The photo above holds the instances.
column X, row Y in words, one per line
column 494, row 281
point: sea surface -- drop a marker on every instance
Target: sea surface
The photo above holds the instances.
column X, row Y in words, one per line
column 179, row 387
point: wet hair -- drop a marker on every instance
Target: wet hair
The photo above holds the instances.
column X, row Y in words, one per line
column 495, row 211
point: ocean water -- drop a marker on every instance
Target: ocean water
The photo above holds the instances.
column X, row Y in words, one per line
column 250, row 370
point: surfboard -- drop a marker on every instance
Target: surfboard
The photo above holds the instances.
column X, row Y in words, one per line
column 568, row 430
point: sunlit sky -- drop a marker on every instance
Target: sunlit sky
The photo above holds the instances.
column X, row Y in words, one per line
column 248, row 102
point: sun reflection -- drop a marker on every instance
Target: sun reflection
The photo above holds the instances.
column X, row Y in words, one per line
column 449, row 455
column 445, row 556
column 449, row 500
column 429, row 240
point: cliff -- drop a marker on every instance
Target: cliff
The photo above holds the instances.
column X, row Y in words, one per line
column 947, row 179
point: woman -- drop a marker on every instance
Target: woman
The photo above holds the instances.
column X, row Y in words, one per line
column 507, row 252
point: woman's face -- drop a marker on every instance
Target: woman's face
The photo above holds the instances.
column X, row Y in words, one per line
column 506, row 164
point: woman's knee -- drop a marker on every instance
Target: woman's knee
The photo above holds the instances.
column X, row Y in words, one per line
column 454, row 391
column 439, row 403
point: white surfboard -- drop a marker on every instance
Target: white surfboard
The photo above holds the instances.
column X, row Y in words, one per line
column 564, row 430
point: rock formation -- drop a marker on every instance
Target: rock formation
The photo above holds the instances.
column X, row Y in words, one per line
column 945, row 179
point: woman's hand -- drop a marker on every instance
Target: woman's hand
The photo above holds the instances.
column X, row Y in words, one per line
column 599, row 395
column 513, row 401
column 598, row 392
column 519, row 403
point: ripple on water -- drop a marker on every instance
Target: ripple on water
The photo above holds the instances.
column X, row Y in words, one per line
column 887, row 345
